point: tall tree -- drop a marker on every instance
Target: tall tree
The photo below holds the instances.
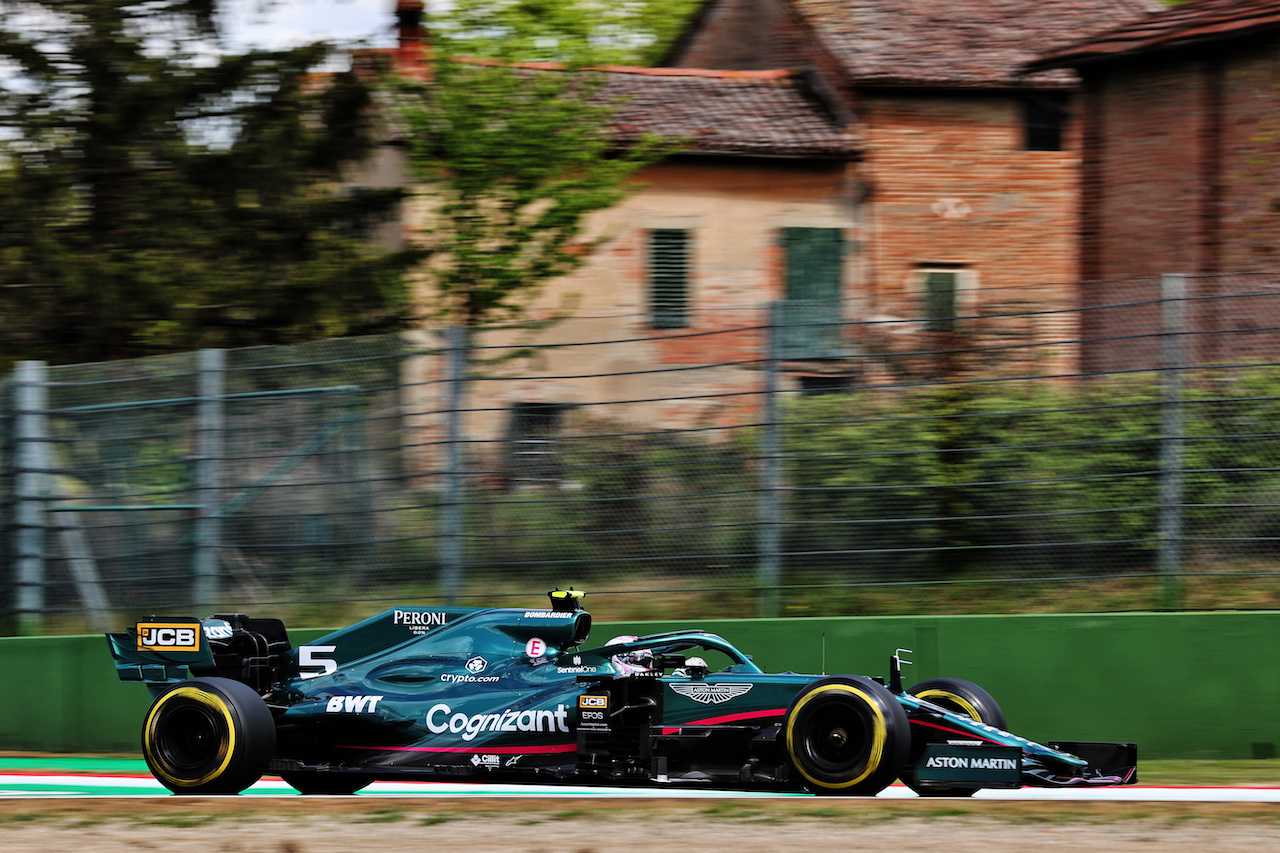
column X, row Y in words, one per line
column 161, row 195
column 583, row 32
column 512, row 160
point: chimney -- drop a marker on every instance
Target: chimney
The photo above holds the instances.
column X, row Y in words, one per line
column 412, row 50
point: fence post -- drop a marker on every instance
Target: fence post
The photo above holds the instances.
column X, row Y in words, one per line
column 453, row 518
column 1173, row 318
column 770, row 530
column 31, row 434
column 211, row 366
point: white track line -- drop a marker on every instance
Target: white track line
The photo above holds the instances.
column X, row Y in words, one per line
column 14, row 786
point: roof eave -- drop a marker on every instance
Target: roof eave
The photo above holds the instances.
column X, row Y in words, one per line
column 772, row 154
column 1084, row 58
column 1009, row 86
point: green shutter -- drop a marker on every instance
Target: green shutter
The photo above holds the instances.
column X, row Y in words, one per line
column 669, row 278
column 940, row 300
column 814, row 259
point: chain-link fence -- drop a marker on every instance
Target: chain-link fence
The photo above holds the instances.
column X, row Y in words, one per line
column 1119, row 453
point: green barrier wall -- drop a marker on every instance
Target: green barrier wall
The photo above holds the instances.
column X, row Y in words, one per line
column 1179, row 685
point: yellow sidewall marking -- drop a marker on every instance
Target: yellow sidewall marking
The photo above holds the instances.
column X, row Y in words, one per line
column 966, row 707
column 878, row 737
column 226, row 749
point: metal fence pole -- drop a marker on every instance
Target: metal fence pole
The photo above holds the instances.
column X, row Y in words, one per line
column 31, row 434
column 453, row 518
column 770, row 531
column 211, row 423
column 1173, row 318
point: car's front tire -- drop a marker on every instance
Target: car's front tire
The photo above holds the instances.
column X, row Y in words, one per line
column 960, row 697
column 208, row 736
column 847, row 735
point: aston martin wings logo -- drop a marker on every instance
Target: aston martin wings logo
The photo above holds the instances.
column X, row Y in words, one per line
column 711, row 694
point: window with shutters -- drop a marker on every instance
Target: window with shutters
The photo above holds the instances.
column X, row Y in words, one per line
column 533, row 457
column 669, row 278
column 813, row 386
column 1043, row 116
column 939, row 290
column 814, row 259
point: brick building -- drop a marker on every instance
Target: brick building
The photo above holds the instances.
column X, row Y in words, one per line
column 882, row 162
column 1181, row 157
column 967, row 188
column 677, row 288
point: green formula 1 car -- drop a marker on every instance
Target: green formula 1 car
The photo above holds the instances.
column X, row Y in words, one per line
column 500, row 694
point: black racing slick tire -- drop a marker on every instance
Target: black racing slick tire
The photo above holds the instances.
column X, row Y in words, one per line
column 208, row 736
column 960, row 697
column 847, row 735
column 313, row 782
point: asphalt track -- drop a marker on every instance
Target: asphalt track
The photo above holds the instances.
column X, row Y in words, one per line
column 121, row 777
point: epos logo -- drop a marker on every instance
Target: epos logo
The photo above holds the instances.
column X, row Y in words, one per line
column 168, row 637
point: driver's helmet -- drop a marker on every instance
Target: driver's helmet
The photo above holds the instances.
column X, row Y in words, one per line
column 632, row 662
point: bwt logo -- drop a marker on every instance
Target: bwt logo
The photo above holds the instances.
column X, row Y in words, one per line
column 167, row 637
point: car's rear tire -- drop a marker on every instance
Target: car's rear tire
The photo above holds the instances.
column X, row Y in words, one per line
column 208, row 736
column 847, row 735
column 312, row 782
column 960, row 697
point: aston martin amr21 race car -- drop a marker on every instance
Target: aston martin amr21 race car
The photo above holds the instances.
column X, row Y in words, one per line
column 500, row 694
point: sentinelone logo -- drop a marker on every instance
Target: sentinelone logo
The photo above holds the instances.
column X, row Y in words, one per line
column 439, row 721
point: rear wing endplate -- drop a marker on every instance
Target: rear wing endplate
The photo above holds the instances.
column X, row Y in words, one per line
column 160, row 651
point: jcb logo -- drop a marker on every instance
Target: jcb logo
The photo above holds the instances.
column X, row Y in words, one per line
column 168, row 637
column 593, row 701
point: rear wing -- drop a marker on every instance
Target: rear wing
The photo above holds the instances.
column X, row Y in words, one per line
column 162, row 651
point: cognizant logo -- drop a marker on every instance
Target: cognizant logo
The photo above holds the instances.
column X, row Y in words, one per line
column 439, row 721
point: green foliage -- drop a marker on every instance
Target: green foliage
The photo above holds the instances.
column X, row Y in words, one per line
column 945, row 480
column 1064, row 477
column 1231, row 460
column 159, row 200
column 579, row 32
column 863, row 471
column 1031, row 478
column 966, row 483
column 619, row 506
column 661, row 495
column 513, row 161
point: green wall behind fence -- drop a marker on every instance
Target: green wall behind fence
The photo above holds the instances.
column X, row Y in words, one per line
column 1180, row 685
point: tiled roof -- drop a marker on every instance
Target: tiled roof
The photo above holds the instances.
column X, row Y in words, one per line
column 763, row 113
column 1197, row 22
column 733, row 112
column 969, row 43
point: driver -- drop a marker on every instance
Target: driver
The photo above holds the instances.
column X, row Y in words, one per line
column 693, row 668
column 631, row 662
